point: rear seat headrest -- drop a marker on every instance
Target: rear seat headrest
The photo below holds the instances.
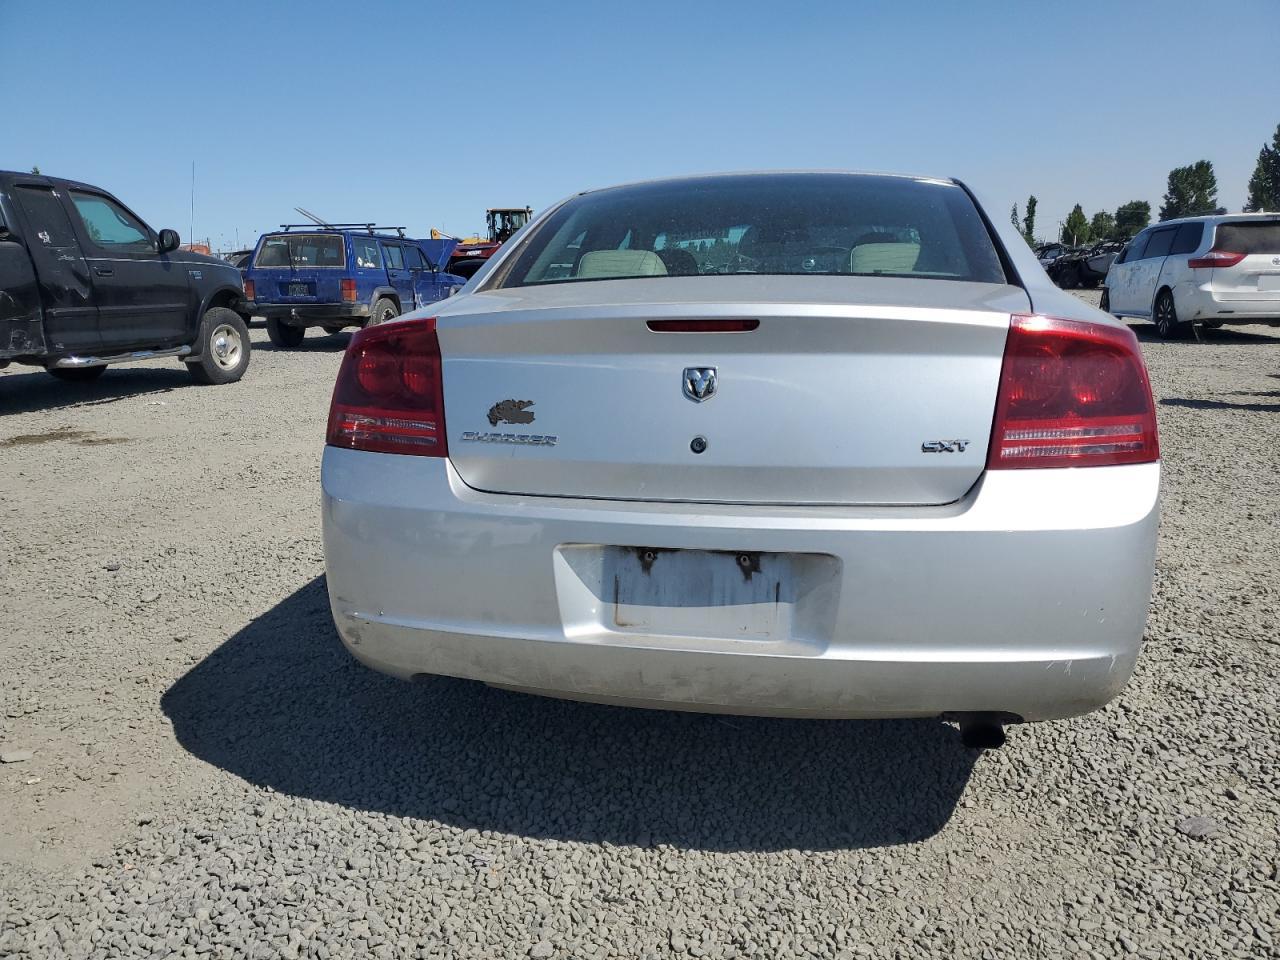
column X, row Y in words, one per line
column 620, row 263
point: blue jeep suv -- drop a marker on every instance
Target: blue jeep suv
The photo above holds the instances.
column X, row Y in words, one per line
column 342, row 275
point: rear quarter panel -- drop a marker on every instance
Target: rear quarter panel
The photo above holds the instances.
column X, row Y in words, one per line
column 1044, row 294
column 21, row 329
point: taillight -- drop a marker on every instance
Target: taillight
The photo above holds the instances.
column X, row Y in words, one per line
column 389, row 397
column 250, row 290
column 348, row 290
column 1215, row 258
column 1072, row 394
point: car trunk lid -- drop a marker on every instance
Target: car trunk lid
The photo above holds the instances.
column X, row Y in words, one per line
column 858, row 391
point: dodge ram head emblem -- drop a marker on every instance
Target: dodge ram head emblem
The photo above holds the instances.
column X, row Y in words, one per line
column 699, row 383
column 511, row 411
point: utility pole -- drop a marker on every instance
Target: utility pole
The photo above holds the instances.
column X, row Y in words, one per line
column 191, row 224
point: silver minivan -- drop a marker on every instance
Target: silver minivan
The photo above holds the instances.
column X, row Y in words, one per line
column 1207, row 270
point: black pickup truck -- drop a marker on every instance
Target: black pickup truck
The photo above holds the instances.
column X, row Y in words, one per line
column 85, row 283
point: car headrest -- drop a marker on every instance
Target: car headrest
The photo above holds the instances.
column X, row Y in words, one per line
column 884, row 258
column 620, row 263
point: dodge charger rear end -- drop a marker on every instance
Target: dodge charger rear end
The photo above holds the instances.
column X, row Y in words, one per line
column 813, row 444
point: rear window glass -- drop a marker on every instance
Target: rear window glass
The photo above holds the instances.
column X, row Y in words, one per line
column 49, row 221
column 1259, row 237
column 394, row 259
column 775, row 224
column 302, row 250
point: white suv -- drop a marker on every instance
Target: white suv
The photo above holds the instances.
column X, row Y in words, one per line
column 1209, row 270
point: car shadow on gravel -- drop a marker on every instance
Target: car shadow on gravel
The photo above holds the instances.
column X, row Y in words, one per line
column 333, row 343
column 282, row 705
column 1222, row 404
column 30, row 392
column 1223, row 336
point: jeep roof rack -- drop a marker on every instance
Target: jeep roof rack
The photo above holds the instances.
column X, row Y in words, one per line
column 370, row 227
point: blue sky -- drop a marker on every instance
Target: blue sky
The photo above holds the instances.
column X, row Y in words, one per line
column 394, row 111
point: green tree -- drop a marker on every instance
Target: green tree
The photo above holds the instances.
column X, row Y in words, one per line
column 1075, row 229
column 35, row 170
column 1132, row 217
column 1264, row 185
column 1029, row 221
column 1013, row 218
column 1102, row 226
column 1192, row 191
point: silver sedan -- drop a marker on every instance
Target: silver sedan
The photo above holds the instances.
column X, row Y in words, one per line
column 793, row 444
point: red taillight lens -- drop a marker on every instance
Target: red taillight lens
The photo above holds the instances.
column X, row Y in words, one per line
column 389, row 397
column 348, row 290
column 1072, row 395
column 1215, row 258
column 250, row 291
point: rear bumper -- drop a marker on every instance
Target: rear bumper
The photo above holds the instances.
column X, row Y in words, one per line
column 1203, row 302
column 1028, row 597
column 312, row 313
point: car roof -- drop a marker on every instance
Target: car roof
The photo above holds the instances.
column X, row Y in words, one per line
column 707, row 177
column 8, row 176
column 1214, row 218
column 343, row 231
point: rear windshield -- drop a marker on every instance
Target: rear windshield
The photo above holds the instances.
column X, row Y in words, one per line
column 1262, row 236
column 776, row 224
column 302, row 250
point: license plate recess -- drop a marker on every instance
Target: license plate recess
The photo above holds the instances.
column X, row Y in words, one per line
column 719, row 596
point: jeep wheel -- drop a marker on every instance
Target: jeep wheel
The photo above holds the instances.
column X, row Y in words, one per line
column 77, row 374
column 223, row 348
column 283, row 335
column 383, row 310
column 1166, row 316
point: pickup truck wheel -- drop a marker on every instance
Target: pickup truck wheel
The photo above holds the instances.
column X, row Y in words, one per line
column 223, row 348
column 77, row 374
column 284, row 335
column 383, row 310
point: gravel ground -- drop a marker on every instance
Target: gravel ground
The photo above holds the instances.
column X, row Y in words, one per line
column 210, row 774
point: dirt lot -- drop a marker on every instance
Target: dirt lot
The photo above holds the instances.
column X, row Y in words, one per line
column 212, row 775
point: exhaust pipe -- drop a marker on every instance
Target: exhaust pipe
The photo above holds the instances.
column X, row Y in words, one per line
column 981, row 731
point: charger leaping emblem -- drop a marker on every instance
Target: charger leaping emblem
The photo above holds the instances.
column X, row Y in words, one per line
column 511, row 411
column 699, row 383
